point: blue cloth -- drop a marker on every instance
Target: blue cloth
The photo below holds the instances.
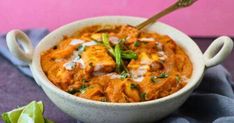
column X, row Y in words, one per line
column 212, row 101
column 35, row 35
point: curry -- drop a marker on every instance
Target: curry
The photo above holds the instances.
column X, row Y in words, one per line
column 117, row 63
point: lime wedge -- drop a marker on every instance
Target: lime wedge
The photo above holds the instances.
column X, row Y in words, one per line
column 48, row 121
column 13, row 116
column 25, row 118
column 32, row 113
column 41, row 106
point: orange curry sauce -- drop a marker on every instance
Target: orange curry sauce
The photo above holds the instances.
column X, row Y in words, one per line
column 83, row 66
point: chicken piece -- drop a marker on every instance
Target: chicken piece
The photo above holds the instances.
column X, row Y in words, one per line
column 96, row 36
column 114, row 91
column 129, row 32
column 131, row 91
column 140, row 66
column 59, row 75
column 46, row 62
column 94, row 92
column 65, row 48
column 97, row 57
column 122, row 91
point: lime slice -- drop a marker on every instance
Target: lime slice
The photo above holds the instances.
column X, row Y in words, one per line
column 25, row 118
column 48, row 121
column 41, row 106
column 13, row 116
column 32, row 113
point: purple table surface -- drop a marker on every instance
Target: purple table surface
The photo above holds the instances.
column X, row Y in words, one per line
column 17, row 89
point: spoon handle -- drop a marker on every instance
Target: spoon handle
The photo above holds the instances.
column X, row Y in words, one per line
column 173, row 7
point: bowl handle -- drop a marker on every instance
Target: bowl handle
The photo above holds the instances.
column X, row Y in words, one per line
column 26, row 52
column 219, row 49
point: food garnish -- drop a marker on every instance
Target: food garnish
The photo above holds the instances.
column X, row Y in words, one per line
column 31, row 113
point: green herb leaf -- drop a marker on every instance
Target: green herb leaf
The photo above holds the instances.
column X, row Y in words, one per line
column 83, row 88
column 105, row 40
column 154, row 79
column 134, row 86
column 136, row 44
column 73, row 91
column 118, row 59
column 177, row 78
column 84, row 48
column 79, row 47
column 124, row 75
column 124, row 67
column 84, row 79
column 143, row 96
column 122, row 46
column 163, row 75
column 128, row 54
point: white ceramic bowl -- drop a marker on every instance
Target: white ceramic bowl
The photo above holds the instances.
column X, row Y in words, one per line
column 103, row 112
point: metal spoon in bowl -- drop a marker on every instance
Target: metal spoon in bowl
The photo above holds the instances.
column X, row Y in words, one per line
column 179, row 4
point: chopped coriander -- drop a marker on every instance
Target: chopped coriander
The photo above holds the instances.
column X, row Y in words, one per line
column 177, row 78
column 136, row 44
column 123, row 75
column 98, row 42
column 84, row 79
column 84, row 48
column 134, row 86
column 118, row 58
column 73, row 91
column 83, row 88
column 125, row 68
column 106, row 43
column 128, row 54
column 78, row 57
column 154, row 79
column 122, row 46
column 163, row 75
column 79, row 47
column 143, row 96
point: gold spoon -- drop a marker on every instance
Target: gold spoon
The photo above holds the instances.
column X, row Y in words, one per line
column 179, row 4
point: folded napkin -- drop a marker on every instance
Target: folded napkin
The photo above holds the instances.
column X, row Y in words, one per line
column 212, row 101
column 35, row 35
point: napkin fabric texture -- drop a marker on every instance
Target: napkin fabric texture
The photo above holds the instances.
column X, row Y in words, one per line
column 35, row 35
column 212, row 101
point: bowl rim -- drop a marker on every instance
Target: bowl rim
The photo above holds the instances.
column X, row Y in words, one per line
column 47, row 84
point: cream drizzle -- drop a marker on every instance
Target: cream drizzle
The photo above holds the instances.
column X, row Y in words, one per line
column 138, row 74
column 147, row 39
column 76, row 41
